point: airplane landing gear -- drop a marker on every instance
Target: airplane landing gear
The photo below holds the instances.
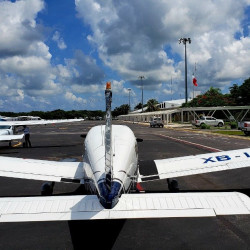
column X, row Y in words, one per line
column 47, row 188
column 173, row 185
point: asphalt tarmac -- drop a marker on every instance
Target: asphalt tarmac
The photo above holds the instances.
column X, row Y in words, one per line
column 64, row 143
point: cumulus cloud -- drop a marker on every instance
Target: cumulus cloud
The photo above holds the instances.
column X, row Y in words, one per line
column 71, row 97
column 94, row 88
column 25, row 67
column 82, row 72
column 132, row 38
column 137, row 38
column 26, row 71
column 18, row 26
column 59, row 40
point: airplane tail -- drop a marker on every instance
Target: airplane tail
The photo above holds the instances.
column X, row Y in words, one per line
column 108, row 137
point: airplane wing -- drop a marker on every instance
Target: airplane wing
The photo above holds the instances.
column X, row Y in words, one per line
column 198, row 164
column 38, row 122
column 130, row 206
column 11, row 137
column 41, row 170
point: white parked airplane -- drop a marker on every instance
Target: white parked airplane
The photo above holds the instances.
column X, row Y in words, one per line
column 19, row 118
column 109, row 171
column 8, row 129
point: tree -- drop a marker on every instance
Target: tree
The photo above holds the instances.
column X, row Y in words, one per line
column 212, row 98
column 138, row 106
column 122, row 110
column 244, row 93
column 152, row 105
column 234, row 91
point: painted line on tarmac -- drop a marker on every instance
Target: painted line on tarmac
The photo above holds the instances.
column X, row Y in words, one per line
column 192, row 143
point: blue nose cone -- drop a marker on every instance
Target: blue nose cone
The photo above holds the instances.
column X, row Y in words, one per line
column 110, row 198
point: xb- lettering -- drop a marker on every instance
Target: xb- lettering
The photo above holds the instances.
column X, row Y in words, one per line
column 217, row 158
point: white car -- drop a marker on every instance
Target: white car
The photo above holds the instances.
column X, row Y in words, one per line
column 156, row 122
column 209, row 120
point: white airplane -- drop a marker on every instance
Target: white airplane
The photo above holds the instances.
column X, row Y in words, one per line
column 8, row 129
column 8, row 134
column 19, row 118
column 109, row 172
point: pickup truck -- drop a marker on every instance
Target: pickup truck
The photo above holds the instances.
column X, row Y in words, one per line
column 156, row 122
column 245, row 127
column 208, row 120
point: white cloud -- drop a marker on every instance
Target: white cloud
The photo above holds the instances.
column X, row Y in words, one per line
column 24, row 57
column 81, row 70
column 94, row 88
column 18, row 26
column 26, row 72
column 167, row 91
column 71, row 97
column 59, row 40
column 131, row 38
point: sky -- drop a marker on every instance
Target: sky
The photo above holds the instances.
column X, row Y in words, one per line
column 59, row 54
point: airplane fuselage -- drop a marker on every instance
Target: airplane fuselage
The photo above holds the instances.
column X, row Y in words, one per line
column 6, row 130
column 124, row 162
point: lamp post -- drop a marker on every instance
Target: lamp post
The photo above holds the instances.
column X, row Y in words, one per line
column 129, row 90
column 184, row 41
column 142, row 77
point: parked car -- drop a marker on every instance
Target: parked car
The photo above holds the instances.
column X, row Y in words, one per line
column 209, row 120
column 156, row 122
column 245, row 127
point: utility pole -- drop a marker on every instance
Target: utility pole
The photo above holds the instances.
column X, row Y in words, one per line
column 129, row 90
column 171, row 90
column 184, row 41
column 142, row 77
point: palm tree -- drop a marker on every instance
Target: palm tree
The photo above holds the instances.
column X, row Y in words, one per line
column 152, row 105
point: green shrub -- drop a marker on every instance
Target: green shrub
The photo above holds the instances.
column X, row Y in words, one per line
column 205, row 126
column 234, row 125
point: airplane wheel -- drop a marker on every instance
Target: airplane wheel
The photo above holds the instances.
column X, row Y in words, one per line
column 173, row 185
column 47, row 188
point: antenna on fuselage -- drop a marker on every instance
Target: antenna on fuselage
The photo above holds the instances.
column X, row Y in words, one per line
column 108, row 136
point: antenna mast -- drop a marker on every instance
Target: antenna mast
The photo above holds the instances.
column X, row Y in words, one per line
column 108, row 136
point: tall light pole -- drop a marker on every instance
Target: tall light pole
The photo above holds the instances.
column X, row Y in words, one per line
column 184, row 41
column 142, row 77
column 129, row 89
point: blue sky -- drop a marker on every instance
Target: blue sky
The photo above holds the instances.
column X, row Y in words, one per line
column 59, row 54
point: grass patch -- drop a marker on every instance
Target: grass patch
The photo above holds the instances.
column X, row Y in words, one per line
column 228, row 132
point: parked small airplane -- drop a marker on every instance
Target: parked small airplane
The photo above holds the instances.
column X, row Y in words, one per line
column 109, row 172
column 9, row 131
column 19, row 118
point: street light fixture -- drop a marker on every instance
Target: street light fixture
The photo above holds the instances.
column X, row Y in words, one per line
column 142, row 77
column 129, row 90
column 184, row 41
